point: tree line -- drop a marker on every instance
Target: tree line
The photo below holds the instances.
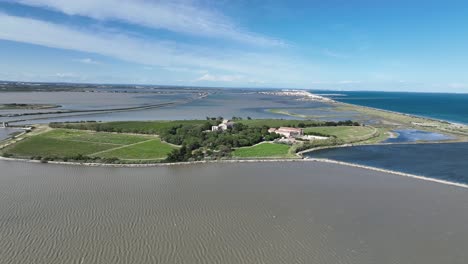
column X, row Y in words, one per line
column 198, row 144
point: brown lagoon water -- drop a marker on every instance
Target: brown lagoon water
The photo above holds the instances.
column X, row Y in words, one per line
column 297, row 212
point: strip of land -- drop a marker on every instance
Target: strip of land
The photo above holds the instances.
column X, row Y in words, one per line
column 16, row 106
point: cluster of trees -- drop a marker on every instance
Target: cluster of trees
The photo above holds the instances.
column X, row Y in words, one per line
column 327, row 123
column 76, row 158
column 198, row 144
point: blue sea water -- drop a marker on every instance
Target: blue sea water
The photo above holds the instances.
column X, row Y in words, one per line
column 442, row 161
column 445, row 106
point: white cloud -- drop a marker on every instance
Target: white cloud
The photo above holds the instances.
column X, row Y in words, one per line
column 177, row 16
column 220, row 78
column 66, row 75
column 164, row 54
column 227, row 79
column 87, row 61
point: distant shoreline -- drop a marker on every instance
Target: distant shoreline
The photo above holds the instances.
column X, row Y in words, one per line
column 405, row 114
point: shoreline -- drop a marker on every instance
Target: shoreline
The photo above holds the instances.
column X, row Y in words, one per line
column 328, row 161
column 433, row 119
column 326, row 99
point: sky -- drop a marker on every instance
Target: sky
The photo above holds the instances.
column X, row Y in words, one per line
column 380, row 45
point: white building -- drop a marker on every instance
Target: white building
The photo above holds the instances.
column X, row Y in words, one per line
column 223, row 126
column 288, row 132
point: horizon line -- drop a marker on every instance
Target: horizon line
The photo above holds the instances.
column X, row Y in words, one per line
column 231, row 87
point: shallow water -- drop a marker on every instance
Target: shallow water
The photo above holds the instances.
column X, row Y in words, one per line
column 226, row 103
column 413, row 135
column 84, row 100
column 301, row 212
column 6, row 132
column 442, row 161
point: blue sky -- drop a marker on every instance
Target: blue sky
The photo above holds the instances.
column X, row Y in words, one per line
column 341, row 45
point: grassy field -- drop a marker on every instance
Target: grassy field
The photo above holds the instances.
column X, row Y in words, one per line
column 94, row 137
column 152, row 149
column 270, row 150
column 346, row 133
column 45, row 146
column 383, row 134
column 62, row 143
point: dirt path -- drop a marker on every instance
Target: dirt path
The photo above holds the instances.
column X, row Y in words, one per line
column 121, row 147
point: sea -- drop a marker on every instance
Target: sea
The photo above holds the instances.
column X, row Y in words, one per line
column 445, row 106
column 442, row 161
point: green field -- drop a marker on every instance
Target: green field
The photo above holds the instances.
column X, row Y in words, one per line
column 94, row 137
column 270, row 150
column 346, row 133
column 152, row 149
column 67, row 144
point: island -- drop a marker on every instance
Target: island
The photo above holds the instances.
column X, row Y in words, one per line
column 137, row 142
column 216, row 138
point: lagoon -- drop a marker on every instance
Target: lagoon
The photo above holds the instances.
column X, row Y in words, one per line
column 291, row 212
column 446, row 161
